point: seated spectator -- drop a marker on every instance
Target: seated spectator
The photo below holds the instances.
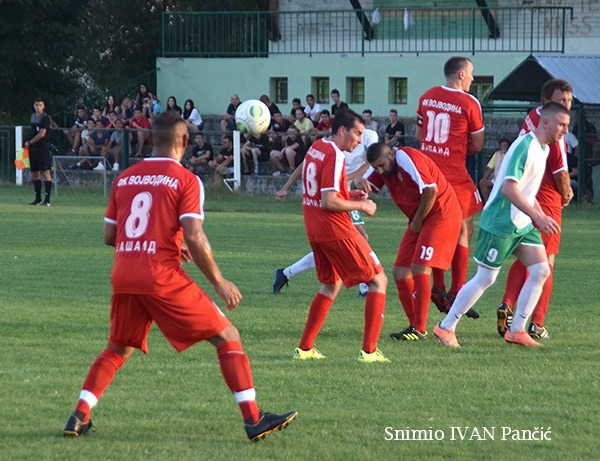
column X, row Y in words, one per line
column 369, row 122
column 257, row 147
column 97, row 115
column 312, row 109
column 111, row 104
column 172, row 105
column 394, row 132
column 278, row 131
column 73, row 135
column 296, row 104
column 201, row 155
column 228, row 122
column 112, row 120
column 99, row 140
column 94, row 138
column 192, row 117
column 151, row 107
column 142, row 94
column 270, row 104
column 487, row 182
column 337, row 102
column 112, row 151
column 323, row 128
column 127, row 110
column 293, row 152
column 222, row 164
column 141, row 131
column 305, row 126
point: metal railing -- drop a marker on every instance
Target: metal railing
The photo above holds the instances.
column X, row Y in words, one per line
column 418, row 30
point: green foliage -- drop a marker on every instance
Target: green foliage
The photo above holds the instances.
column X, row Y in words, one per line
column 54, row 313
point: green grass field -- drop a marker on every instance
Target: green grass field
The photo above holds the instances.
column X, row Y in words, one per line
column 54, row 307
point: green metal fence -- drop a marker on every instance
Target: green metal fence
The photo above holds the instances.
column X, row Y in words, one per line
column 416, row 30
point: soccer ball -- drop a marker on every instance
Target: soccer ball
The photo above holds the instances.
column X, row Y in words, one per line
column 252, row 117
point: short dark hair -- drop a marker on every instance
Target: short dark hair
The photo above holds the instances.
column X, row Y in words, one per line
column 345, row 118
column 325, row 112
column 80, row 107
column 394, row 111
column 297, row 100
column 335, row 91
column 376, row 150
column 96, row 107
column 504, row 140
column 368, row 111
column 163, row 131
column 555, row 84
column 455, row 64
column 310, row 95
column 228, row 136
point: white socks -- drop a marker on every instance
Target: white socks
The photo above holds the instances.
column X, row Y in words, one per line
column 305, row 264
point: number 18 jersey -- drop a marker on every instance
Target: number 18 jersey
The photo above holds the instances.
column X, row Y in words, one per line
column 147, row 203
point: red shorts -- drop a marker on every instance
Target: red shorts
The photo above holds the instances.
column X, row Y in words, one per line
column 350, row 259
column 433, row 246
column 184, row 315
column 468, row 198
column 552, row 241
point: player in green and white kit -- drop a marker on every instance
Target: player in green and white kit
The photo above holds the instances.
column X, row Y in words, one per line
column 506, row 228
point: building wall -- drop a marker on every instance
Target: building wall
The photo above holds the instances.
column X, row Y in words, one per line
column 210, row 82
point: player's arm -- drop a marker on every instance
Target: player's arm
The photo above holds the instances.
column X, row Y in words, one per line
column 358, row 173
column 428, row 197
column 563, row 186
column 281, row 193
column 545, row 223
column 39, row 135
column 330, row 201
column 201, row 252
column 110, row 233
column 419, row 132
column 475, row 142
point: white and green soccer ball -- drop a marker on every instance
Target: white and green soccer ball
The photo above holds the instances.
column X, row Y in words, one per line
column 252, row 117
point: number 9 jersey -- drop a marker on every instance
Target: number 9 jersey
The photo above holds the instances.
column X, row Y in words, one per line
column 147, row 203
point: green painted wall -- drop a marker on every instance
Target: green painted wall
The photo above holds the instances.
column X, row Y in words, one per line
column 210, row 82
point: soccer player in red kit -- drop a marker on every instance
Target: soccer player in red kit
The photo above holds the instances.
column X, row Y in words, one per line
column 554, row 194
column 450, row 127
column 341, row 254
column 155, row 206
column 434, row 220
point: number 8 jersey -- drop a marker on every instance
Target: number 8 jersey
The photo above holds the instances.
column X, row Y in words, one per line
column 448, row 117
column 147, row 202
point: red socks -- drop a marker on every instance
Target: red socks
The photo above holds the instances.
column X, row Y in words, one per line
column 317, row 314
column 438, row 279
column 421, row 301
column 539, row 313
column 405, row 294
column 514, row 282
column 460, row 266
column 235, row 368
column 374, row 307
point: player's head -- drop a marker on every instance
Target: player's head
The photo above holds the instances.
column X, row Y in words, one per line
column 347, row 127
column 558, row 90
column 554, row 122
column 170, row 134
column 459, row 70
column 381, row 158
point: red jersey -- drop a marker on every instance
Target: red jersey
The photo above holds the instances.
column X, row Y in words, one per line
column 448, row 117
column 548, row 195
column 415, row 172
column 147, row 203
column 324, row 170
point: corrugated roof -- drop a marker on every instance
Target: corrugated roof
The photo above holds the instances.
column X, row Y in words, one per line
column 525, row 82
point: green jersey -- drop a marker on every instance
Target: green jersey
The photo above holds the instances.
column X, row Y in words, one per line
column 524, row 163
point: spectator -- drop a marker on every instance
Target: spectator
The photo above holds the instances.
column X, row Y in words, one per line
column 111, row 104
column 270, row 104
column 97, row 115
column 278, row 130
column 228, row 122
column 312, row 109
column 74, row 134
column 87, row 148
column 113, row 150
column 112, row 120
column 142, row 94
column 370, row 124
column 337, row 102
column 296, row 104
column 305, row 126
column 192, row 117
column 493, row 166
column 222, row 164
column 394, row 132
column 127, row 109
column 257, row 147
column 323, row 128
column 202, row 154
column 293, row 151
column 172, row 105
column 140, row 131
column 98, row 142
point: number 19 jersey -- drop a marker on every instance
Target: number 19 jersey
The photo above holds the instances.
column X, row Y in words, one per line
column 148, row 201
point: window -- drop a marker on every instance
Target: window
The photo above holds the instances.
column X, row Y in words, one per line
column 279, row 87
column 357, row 90
column 481, row 87
column 320, row 88
column 398, row 90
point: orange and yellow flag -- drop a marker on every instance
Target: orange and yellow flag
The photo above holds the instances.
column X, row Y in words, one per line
column 22, row 159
